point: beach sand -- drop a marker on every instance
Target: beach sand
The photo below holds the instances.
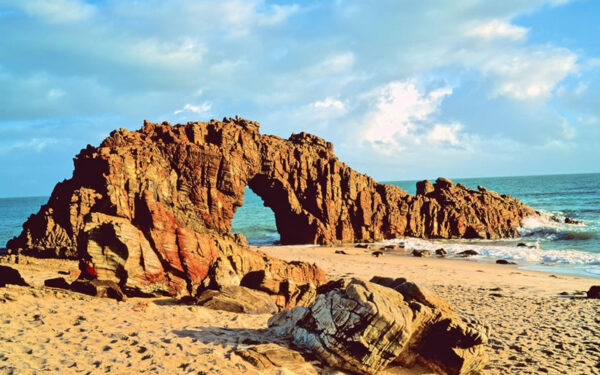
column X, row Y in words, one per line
column 534, row 329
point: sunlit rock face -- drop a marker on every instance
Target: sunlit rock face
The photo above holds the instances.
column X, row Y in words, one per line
column 152, row 208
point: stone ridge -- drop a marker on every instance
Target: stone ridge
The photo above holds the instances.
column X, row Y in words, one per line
column 164, row 196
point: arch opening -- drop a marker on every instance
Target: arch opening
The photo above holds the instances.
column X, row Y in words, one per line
column 255, row 221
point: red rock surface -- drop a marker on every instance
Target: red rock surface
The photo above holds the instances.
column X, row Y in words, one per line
column 152, row 209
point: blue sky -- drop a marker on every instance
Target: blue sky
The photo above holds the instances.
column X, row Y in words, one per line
column 404, row 89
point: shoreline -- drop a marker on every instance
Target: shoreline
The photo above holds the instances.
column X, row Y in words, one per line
column 431, row 269
column 453, row 246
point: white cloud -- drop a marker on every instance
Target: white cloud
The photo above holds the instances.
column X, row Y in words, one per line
column 499, row 29
column 202, row 109
column 529, row 73
column 329, row 102
column 335, row 64
column 398, row 111
column 58, row 11
column 444, row 134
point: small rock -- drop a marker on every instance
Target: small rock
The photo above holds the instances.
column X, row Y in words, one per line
column 424, row 187
column 521, row 244
column 504, row 261
column 568, row 220
column 421, row 253
column 388, row 281
column 341, row 252
column 10, row 275
column 237, row 299
column 58, row 282
column 377, row 254
column 99, row 288
column 594, row 292
column 271, row 357
column 441, row 252
column 468, row 253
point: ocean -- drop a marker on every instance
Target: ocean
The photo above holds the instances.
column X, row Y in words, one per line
column 551, row 247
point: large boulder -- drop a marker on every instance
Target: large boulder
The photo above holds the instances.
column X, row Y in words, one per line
column 364, row 327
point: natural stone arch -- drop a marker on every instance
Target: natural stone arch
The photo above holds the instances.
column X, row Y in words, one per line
column 172, row 191
column 292, row 223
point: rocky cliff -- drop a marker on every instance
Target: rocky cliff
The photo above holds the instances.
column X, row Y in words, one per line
column 152, row 209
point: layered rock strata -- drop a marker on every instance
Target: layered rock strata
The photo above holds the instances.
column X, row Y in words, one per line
column 152, row 209
column 363, row 327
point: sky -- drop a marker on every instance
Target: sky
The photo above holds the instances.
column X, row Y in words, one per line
column 404, row 89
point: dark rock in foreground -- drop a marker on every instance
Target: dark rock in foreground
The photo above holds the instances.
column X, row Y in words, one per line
column 99, row 288
column 363, row 327
column 58, row 282
column 594, row 292
column 151, row 210
column 11, row 276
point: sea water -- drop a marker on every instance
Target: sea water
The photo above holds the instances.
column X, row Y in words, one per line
column 550, row 246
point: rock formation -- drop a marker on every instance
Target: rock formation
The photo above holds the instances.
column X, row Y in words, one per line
column 363, row 327
column 152, row 209
column 9, row 275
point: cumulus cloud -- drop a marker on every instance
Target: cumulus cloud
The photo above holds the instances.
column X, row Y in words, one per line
column 444, row 134
column 499, row 29
column 530, row 73
column 399, row 112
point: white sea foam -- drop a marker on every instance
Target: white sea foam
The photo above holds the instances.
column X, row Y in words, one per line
column 503, row 250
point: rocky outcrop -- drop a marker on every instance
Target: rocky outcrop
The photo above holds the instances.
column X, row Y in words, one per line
column 363, row 327
column 151, row 210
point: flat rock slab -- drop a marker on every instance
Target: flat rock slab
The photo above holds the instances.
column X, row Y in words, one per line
column 237, row 299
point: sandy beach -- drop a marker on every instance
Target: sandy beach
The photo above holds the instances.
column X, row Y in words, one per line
column 539, row 322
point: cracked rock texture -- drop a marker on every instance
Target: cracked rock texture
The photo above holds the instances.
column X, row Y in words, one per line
column 363, row 327
column 152, row 209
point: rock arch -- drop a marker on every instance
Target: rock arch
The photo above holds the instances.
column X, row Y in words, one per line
column 169, row 194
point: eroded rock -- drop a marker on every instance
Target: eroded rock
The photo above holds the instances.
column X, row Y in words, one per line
column 363, row 327
column 151, row 210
